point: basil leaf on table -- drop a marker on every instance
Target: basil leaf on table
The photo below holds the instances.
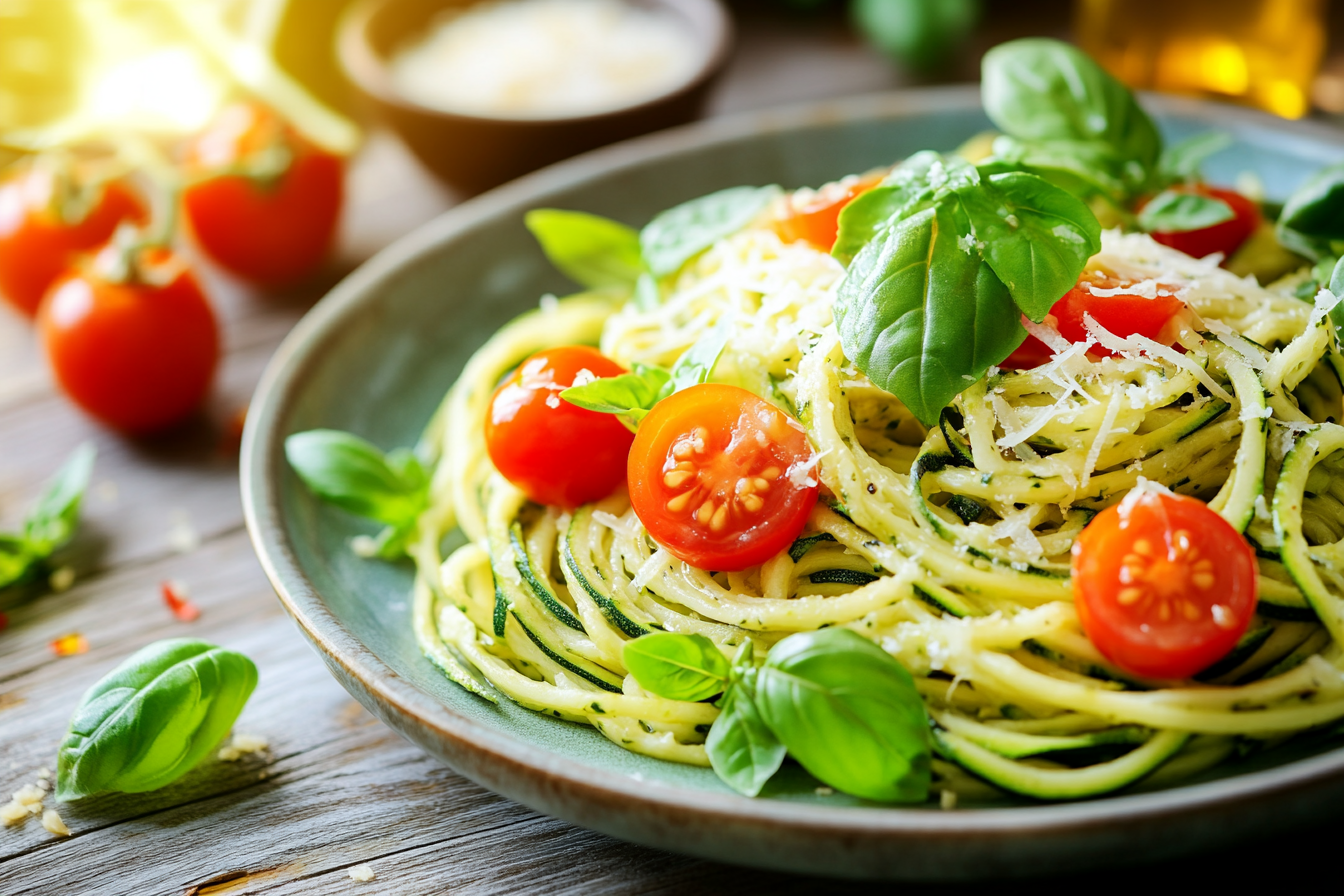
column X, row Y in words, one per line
column 680, row 233
column 1172, row 212
column 1182, row 161
column 591, row 250
column 1041, row 91
column 51, row 523
column 1035, row 236
column 849, row 713
column 676, row 666
column 742, row 749
column 922, row 314
column 153, row 718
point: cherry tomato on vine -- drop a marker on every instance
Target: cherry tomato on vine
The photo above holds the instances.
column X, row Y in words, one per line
column 817, row 221
column 714, row 477
column 1164, row 586
column 1226, row 236
column 1123, row 314
column 138, row 349
column 556, row 452
column 261, row 200
column 48, row 216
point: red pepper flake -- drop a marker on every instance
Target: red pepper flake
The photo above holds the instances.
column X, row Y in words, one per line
column 69, row 645
column 175, row 596
column 4, row 622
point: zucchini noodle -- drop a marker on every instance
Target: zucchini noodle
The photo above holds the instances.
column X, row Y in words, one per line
column 948, row 546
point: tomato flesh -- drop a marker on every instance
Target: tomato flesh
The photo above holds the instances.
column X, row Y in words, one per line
column 271, row 231
column 37, row 245
column 138, row 357
column 720, row 477
column 1164, row 586
column 817, row 221
column 1226, row 236
column 556, row 452
column 1122, row 314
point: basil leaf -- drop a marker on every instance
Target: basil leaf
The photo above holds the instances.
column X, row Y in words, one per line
column 53, row 519
column 1036, row 237
column 591, row 250
column 631, row 394
column 675, row 666
column 742, row 749
column 1313, row 216
column 920, row 33
column 152, row 718
column 1081, row 167
column 349, row 472
column 1337, row 288
column 696, row 364
column 1040, row 90
column 922, row 314
column 1182, row 161
column 849, row 713
column 678, row 234
column 1173, row 212
column 17, row 560
column 908, row 187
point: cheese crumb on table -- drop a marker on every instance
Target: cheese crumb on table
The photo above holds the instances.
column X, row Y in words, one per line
column 241, row 745
column 13, row 813
column 362, row 873
column 52, row 822
column 29, row 794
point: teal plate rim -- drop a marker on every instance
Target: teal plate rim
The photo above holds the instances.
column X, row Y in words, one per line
column 907, row 843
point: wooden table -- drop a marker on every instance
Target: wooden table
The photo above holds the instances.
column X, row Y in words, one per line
column 336, row 788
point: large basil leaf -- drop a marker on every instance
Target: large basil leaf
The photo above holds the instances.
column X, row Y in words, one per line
column 849, row 713
column 1040, row 90
column 353, row 474
column 742, row 749
column 152, row 718
column 922, row 314
column 1172, row 211
column 1313, row 216
column 676, row 666
column 678, row 234
column 911, row 184
column 591, row 250
column 1036, row 237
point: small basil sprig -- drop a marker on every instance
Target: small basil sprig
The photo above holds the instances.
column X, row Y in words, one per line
column 1171, row 211
column 632, row 395
column 835, row 701
column 945, row 259
column 151, row 719
column 1066, row 115
column 50, row 524
column 353, row 474
column 597, row 252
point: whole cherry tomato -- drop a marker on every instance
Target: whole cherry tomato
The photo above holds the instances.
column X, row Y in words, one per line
column 817, row 221
column 134, row 344
column 1164, row 586
column 721, row 477
column 48, row 216
column 1122, row 314
column 556, row 452
column 1226, row 236
column 262, row 201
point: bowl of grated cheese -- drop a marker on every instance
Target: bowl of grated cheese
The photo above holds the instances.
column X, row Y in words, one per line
column 483, row 91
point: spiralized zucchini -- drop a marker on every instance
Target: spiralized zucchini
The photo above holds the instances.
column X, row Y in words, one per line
column 967, row 527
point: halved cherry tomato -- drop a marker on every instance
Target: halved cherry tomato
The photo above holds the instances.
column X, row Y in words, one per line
column 1225, row 237
column 556, row 452
column 47, row 218
column 263, row 202
column 1122, row 314
column 1164, row 586
column 137, row 353
column 817, row 221
column 715, row 477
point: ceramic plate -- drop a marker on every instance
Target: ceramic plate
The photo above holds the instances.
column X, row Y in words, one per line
column 378, row 353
